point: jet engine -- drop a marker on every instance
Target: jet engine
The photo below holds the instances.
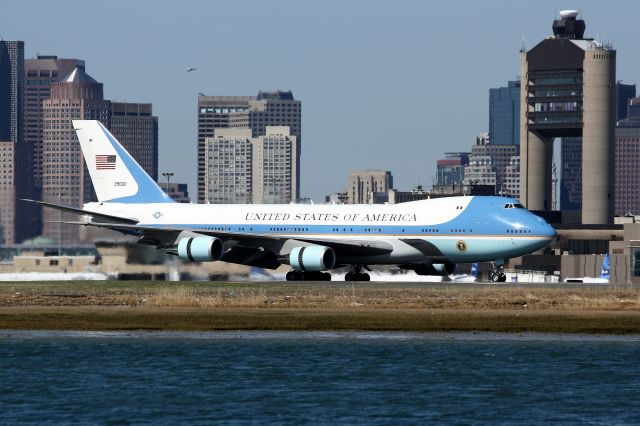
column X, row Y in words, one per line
column 312, row 258
column 438, row 269
column 200, row 249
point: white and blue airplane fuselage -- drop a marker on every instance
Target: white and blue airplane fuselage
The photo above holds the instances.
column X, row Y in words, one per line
column 428, row 236
column 455, row 229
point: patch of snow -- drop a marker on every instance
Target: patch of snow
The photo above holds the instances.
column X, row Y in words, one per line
column 53, row 276
column 592, row 280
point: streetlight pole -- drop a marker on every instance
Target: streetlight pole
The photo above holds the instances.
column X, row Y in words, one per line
column 59, row 225
column 168, row 175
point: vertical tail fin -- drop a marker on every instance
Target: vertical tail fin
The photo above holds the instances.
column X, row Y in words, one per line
column 115, row 175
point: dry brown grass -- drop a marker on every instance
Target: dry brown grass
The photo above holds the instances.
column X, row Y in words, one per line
column 185, row 296
column 325, row 296
column 331, row 306
column 350, row 296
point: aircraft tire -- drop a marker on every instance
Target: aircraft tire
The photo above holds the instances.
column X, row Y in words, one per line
column 316, row 276
column 308, row 276
column 354, row 276
column 294, row 276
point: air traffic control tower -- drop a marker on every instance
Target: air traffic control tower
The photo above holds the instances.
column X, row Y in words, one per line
column 568, row 85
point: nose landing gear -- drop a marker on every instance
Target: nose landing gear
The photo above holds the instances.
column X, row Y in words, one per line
column 498, row 275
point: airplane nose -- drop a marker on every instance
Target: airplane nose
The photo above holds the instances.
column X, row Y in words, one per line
column 545, row 229
column 550, row 231
column 541, row 227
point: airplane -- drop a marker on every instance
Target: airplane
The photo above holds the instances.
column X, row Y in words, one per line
column 427, row 236
column 189, row 69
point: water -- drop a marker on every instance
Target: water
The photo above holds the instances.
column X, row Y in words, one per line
column 325, row 378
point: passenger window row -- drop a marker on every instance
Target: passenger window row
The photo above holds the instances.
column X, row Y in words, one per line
column 518, row 231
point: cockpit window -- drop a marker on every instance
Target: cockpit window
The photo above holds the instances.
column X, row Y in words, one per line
column 513, row 206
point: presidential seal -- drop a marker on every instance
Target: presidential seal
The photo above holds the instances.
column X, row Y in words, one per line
column 461, row 245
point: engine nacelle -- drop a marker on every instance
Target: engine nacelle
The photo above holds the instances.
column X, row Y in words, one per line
column 200, row 249
column 312, row 258
column 438, row 269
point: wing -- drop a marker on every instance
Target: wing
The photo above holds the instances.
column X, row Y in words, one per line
column 102, row 216
column 165, row 237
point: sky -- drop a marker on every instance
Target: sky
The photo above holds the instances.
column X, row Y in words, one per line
column 387, row 85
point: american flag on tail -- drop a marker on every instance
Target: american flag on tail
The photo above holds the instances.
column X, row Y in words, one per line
column 105, row 162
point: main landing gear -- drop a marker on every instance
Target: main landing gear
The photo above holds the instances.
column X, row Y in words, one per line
column 356, row 274
column 294, row 275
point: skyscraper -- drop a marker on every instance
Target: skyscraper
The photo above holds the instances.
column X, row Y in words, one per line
column 229, row 166
column 11, row 90
column 135, row 126
column 65, row 181
column 480, row 171
column 40, row 74
column 491, row 165
column 13, row 160
column 364, row 184
column 275, row 169
column 7, row 193
column 627, row 158
column 511, row 179
column 215, row 112
column 568, row 90
column 571, row 181
column 242, row 169
column 277, row 108
column 504, row 114
column 624, row 94
column 450, row 170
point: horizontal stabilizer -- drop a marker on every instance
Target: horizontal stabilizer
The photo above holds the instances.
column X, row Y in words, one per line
column 115, row 219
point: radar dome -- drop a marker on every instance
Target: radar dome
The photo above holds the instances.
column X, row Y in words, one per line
column 568, row 14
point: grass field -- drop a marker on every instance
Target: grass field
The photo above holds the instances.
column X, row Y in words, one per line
column 318, row 306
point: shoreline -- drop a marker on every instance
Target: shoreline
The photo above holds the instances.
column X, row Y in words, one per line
column 211, row 306
column 90, row 318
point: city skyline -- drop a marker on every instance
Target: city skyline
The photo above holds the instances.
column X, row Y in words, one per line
column 393, row 80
